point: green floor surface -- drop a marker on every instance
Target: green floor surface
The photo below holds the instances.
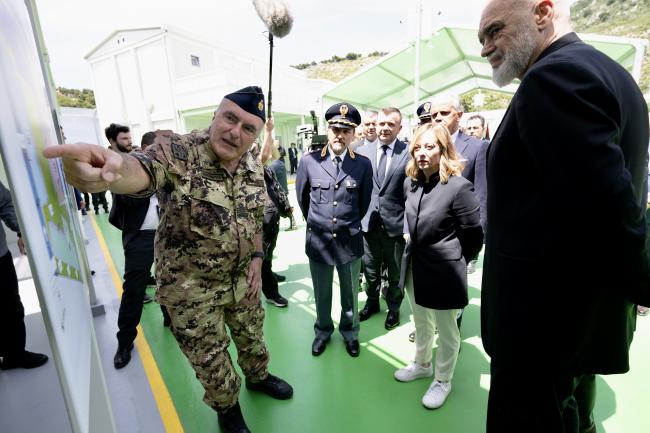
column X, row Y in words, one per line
column 337, row 393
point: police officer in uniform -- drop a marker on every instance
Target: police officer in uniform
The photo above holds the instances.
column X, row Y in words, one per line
column 209, row 241
column 424, row 113
column 333, row 188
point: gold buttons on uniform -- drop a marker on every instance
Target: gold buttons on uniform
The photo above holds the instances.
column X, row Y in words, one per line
column 334, row 220
column 334, row 235
column 335, row 203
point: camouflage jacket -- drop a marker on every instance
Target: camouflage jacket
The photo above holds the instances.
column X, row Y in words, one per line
column 208, row 220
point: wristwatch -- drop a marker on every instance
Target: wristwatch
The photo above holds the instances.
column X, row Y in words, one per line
column 258, row 254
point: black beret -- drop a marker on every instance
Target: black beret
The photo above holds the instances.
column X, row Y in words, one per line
column 424, row 112
column 250, row 99
column 343, row 115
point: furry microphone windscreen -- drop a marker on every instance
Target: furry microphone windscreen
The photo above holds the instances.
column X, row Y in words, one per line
column 276, row 16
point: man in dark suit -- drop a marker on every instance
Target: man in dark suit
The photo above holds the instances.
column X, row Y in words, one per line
column 475, row 126
column 566, row 194
column 138, row 220
column 293, row 158
column 333, row 188
column 383, row 224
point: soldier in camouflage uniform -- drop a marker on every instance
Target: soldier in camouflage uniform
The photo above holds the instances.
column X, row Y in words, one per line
column 209, row 241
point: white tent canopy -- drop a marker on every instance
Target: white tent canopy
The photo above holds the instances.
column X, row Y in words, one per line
column 450, row 62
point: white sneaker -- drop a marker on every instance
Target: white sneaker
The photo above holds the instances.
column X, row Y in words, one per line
column 436, row 394
column 412, row 372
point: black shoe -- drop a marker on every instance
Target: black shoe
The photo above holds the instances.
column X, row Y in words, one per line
column 279, row 278
column 232, row 421
column 392, row 320
column 151, row 281
column 272, row 386
column 122, row 356
column 318, row 346
column 84, row 212
column 25, row 360
column 278, row 301
column 352, row 347
column 146, row 299
column 368, row 311
column 412, row 337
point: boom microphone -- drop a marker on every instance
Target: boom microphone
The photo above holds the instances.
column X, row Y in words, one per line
column 276, row 16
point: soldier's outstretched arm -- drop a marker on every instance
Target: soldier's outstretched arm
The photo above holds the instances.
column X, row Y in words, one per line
column 93, row 168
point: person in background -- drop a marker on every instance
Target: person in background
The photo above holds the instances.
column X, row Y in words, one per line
column 444, row 233
column 271, row 226
column 149, row 138
column 475, row 126
column 137, row 218
column 368, row 130
column 13, row 335
column 293, row 158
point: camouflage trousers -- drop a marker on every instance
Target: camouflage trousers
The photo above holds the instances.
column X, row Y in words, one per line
column 201, row 334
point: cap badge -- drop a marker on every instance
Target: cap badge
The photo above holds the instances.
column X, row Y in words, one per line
column 260, row 106
column 427, row 107
column 343, row 110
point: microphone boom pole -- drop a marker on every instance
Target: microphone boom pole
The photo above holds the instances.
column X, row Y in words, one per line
column 268, row 104
column 278, row 20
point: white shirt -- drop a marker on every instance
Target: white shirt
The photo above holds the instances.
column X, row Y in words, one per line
column 366, row 142
column 389, row 153
column 333, row 155
column 151, row 218
column 454, row 136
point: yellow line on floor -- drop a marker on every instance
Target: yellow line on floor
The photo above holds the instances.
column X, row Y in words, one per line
column 166, row 408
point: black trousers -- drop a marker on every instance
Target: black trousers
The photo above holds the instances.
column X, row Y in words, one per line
column 138, row 259
column 99, row 199
column 382, row 250
column 547, row 405
column 293, row 162
column 12, row 313
column 270, row 231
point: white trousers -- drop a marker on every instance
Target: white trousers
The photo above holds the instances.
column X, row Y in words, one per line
column 426, row 320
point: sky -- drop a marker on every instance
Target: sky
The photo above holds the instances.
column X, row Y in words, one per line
column 321, row 29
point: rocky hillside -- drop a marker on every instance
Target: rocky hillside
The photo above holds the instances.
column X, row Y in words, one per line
column 630, row 18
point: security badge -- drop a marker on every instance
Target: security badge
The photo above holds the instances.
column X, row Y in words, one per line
column 343, row 110
column 260, row 106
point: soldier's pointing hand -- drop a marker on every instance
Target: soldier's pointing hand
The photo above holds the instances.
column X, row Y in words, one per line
column 89, row 167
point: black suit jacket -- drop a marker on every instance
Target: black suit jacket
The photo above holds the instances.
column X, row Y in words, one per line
column 567, row 173
column 333, row 206
column 468, row 146
column 388, row 199
column 127, row 214
column 444, row 233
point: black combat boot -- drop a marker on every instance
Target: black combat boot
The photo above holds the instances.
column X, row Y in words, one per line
column 232, row 421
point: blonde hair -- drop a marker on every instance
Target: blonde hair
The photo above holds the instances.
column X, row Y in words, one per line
column 450, row 162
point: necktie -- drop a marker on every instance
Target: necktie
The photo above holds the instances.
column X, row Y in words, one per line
column 381, row 168
column 337, row 165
